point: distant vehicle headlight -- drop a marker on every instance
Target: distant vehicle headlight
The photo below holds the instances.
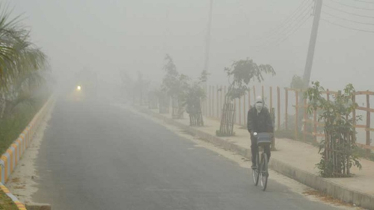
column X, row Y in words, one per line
column 79, row 87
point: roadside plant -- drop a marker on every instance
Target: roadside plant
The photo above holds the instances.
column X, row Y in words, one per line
column 175, row 85
column 337, row 148
column 195, row 94
column 239, row 74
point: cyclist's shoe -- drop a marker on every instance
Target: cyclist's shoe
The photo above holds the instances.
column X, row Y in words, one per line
column 254, row 167
column 265, row 173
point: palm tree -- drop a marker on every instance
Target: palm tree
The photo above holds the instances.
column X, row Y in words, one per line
column 21, row 64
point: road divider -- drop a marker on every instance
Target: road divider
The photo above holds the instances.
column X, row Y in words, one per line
column 13, row 154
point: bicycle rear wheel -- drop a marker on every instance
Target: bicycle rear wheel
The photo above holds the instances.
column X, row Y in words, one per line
column 264, row 171
column 256, row 171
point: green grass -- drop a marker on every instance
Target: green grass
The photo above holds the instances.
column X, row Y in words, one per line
column 12, row 126
column 10, row 129
column 6, row 203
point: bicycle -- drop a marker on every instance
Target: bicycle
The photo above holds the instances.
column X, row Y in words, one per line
column 261, row 169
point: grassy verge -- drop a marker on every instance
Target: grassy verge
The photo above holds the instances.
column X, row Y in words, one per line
column 6, row 203
column 12, row 127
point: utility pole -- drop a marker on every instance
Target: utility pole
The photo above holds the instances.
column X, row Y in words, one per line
column 207, row 49
column 166, row 32
column 207, row 41
column 310, row 56
column 312, row 42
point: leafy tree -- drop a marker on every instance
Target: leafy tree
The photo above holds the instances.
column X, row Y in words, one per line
column 194, row 95
column 240, row 74
column 152, row 99
column 140, row 88
column 22, row 65
column 175, row 85
column 297, row 82
column 340, row 136
column 163, row 100
column 127, row 85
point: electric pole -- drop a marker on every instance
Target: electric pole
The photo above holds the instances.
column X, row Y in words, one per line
column 310, row 56
column 207, row 50
column 312, row 42
column 166, row 32
column 207, row 41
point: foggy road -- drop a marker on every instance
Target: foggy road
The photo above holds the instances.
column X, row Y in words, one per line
column 97, row 156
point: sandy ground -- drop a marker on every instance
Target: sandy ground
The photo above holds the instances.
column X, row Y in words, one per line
column 22, row 182
column 293, row 185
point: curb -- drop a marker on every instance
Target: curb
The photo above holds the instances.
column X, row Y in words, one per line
column 19, row 205
column 13, row 154
column 38, row 206
column 304, row 177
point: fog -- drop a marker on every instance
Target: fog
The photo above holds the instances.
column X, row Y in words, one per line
column 102, row 127
column 134, row 35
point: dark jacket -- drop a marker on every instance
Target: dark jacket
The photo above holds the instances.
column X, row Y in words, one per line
column 259, row 122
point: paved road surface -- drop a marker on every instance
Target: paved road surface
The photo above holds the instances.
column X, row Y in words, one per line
column 104, row 157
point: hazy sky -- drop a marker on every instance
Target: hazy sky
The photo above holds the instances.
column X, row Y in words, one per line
column 132, row 35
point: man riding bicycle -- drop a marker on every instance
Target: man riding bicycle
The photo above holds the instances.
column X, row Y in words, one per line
column 259, row 121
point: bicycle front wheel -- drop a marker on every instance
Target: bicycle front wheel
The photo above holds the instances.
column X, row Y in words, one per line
column 256, row 171
column 264, row 171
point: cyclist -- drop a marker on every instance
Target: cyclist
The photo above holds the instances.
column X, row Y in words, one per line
column 259, row 121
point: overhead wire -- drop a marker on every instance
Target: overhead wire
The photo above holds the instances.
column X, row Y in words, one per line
column 287, row 21
column 351, row 20
column 285, row 34
column 282, row 39
column 303, row 13
column 345, row 19
column 351, row 6
column 340, row 25
column 368, row 2
column 350, row 13
column 290, row 27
